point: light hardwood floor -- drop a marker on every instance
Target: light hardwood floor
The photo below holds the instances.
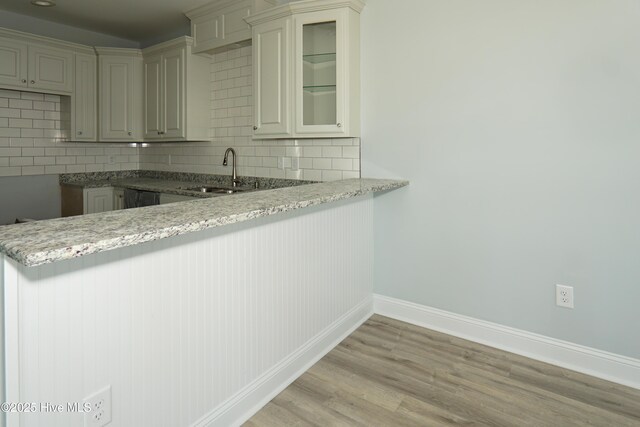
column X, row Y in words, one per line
column 390, row 373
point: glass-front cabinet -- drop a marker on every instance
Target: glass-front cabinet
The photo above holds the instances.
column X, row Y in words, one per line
column 319, row 96
column 318, row 109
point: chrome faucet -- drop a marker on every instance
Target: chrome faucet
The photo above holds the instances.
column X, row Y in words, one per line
column 234, row 176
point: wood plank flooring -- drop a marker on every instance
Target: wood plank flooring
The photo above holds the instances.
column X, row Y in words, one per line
column 390, row 373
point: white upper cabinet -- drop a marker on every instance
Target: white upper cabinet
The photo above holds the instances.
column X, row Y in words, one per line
column 13, row 63
column 50, row 69
column 152, row 96
column 84, row 119
column 222, row 22
column 176, row 92
column 35, row 67
column 120, row 94
column 271, row 44
column 318, row 95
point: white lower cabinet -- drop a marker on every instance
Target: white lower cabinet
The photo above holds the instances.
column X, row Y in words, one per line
column 166, row 198
column 118, row 199
column 98, row 199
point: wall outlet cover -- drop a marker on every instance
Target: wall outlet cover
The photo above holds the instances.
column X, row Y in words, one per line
column 100, row 413
column 564, row 296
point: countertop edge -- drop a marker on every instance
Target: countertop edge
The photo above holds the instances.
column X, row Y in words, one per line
column 37, row 258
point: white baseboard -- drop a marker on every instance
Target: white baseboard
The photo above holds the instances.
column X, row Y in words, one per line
column 608, row 366
column 240, row 407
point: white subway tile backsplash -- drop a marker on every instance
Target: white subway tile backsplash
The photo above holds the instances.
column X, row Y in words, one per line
column 10, row 152
column 332, row 151
column 48, row 106
column 32, row 170
column 44, row 160
column 20, row 103
column 31, row 133
column 33, row 151
column 31, row 114
column 330, row 175
column 9, row 112
column 20, row 161
column 342, row 164
column 32, row 96
column 351, row 152
column 65, row 160
column 10, row 171
column 11, row 132
column 322, row 163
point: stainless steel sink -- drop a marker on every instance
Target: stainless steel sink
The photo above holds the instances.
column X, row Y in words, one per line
column 215, row 190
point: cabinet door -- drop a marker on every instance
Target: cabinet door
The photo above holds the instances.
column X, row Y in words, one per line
column 120, row 98
column 118, row 199
column 50, row 69
column 174, row 100
column 153, row 97
column 13, row 63
column 319, row 69
column 271, row 47
column 84, row 116
column 98, row 200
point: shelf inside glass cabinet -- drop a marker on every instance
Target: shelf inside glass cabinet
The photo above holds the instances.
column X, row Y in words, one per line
column 320, row 88
column 319, row 58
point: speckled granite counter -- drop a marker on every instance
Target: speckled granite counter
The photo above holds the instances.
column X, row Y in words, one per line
column 53, row 240
column 171, row 182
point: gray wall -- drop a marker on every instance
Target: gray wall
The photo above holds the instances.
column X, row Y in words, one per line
column 35, row 197
column 518, row 124
column 41, row 27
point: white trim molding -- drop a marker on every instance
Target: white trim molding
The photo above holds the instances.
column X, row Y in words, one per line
column 248, row 401
column 601, row 364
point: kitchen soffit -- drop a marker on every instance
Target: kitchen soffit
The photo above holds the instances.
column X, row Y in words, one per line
column 136, row 20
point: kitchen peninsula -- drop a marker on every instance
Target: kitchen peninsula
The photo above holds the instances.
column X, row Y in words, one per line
column 192, row 313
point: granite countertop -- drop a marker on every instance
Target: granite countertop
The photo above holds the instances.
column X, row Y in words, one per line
column 43, row 242
column 155, row 185
column 172, row 182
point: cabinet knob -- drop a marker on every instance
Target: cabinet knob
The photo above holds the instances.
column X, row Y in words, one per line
column 161, row 132
column 79, row 132
column 339, row 125
column 129, row 133
column 33, row 81
column 255, row 128
column 24, row 80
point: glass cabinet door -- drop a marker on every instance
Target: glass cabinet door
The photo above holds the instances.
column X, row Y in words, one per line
column 318, row 74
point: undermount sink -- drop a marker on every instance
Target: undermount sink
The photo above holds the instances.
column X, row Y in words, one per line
column 216, row 190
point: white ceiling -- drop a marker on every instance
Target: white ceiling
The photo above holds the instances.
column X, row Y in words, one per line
column 137, row 20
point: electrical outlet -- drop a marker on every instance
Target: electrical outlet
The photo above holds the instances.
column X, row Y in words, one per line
column 564, row 296
column 100, row 413
column 112, row 159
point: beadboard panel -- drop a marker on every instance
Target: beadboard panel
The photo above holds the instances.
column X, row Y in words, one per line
column 181, row 326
